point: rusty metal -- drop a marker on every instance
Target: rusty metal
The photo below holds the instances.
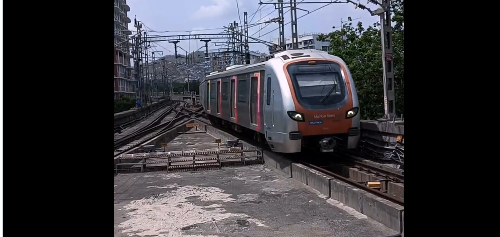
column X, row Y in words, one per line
column 142, row 160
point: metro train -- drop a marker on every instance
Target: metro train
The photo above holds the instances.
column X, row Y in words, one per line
column 298, row 98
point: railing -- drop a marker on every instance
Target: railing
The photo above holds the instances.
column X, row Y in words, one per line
column 124, row 89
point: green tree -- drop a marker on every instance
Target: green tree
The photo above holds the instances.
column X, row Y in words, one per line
column 361, row 49
column 123, row 104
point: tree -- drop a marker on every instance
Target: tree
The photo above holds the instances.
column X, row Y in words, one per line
column 360, row 48
column 123, row 104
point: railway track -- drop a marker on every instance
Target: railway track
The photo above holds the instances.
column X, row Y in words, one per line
column 133, row 132
column 119, row 128
column 180, row 114
column 370, row 176
column 363, row 173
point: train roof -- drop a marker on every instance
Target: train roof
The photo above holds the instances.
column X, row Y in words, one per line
column 284, row 56
column 237, row 70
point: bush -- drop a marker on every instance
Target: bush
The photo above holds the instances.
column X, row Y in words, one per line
column 124, row 104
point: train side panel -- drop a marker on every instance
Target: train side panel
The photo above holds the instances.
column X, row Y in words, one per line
column 278, row 101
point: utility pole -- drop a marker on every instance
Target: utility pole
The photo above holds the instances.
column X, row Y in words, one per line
column 387, row 59
column 234, row 26
column 293, row 23
column 155, row 82
column 241, row 53
column 163, row 72
column 147, row 65
column 247, row 48
column 281, row 27
column 175, row 47
column 154, row 73
column 281, row 22
column 138, row 60
column 207, row 62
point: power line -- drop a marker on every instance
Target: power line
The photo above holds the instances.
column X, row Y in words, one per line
column 162, row 47
column 254, row 14
column 297, row 18
column 270, row 24
column 172, row 31
column 266, row 15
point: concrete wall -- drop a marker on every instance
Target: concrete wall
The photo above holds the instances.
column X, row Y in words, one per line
column 381, row 137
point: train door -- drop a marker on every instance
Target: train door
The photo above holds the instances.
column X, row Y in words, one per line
column 268, row 110
column 231, row 98
column 218, row 96
column 253, row 100
column 208, row 95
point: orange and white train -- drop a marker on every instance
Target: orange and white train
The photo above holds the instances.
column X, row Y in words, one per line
column 298, row 98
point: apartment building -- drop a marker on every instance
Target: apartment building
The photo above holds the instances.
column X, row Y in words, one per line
column 307, row 41
column 124, row 84
column 220, row 58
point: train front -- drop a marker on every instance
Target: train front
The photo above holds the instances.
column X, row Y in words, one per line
column 325, row 102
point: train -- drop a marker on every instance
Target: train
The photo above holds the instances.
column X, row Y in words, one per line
column 297, row 100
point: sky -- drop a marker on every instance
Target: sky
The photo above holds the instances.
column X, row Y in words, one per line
column 174, row 17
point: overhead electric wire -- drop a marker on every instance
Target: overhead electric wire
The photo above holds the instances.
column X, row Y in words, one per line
column 266, row 15
column 162, row 47
column 259, row 8
column 269, row 23
column 299, row 18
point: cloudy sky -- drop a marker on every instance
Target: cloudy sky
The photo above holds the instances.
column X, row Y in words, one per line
column 173, row 17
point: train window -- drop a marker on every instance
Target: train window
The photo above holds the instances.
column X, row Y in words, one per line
column 268, row 91
column 213, row 90
column 225, row 87
column 242, row 91
column 318, row 86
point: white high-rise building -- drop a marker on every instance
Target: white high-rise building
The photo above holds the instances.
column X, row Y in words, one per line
column 124, row 84
column 308, row 41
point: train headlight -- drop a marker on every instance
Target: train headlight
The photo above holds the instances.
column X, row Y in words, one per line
column 352, row 112
column 296, row 116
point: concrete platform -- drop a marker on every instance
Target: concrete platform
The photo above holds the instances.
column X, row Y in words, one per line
column 238, row 201
column 381, row 210
column 192, row 140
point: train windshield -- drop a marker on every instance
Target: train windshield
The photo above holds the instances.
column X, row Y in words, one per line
column 317, row 86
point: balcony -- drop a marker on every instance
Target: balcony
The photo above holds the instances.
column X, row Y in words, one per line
column 126, row 7
column 117, row 7
column 127, row 32
column 119, row 34
column 117, row 20
column 127, row 19
column 124, row 89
